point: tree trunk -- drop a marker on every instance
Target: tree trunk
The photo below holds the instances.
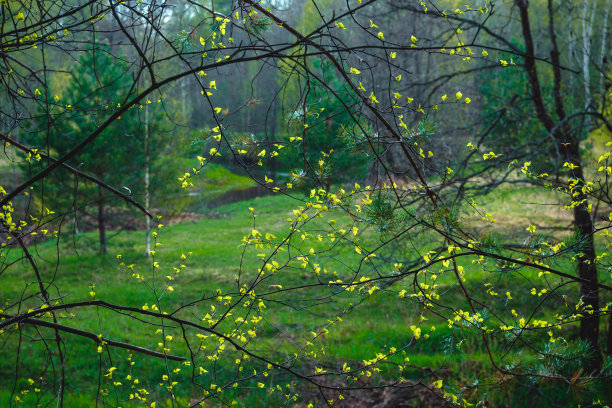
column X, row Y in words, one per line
column 602, row 55
column 101, row 224
column 609, row 339
column 273, row 162
column 587, row 32
column 587, row 269
column 147, row 184
column 184, row 99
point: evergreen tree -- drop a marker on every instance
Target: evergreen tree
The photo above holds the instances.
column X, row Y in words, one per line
column 100, row 85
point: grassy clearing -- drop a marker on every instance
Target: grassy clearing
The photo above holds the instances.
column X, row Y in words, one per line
column 213, row 182
column 371, row 323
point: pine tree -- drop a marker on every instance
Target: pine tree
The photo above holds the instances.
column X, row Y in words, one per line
column 100, row 85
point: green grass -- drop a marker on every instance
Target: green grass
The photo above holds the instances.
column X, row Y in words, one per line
column 373, row 324
column 211, row 183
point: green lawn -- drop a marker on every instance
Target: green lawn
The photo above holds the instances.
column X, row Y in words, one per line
column 370, row 323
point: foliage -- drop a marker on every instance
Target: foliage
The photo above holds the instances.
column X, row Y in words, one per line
column 416, row 241
column 99, row 88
